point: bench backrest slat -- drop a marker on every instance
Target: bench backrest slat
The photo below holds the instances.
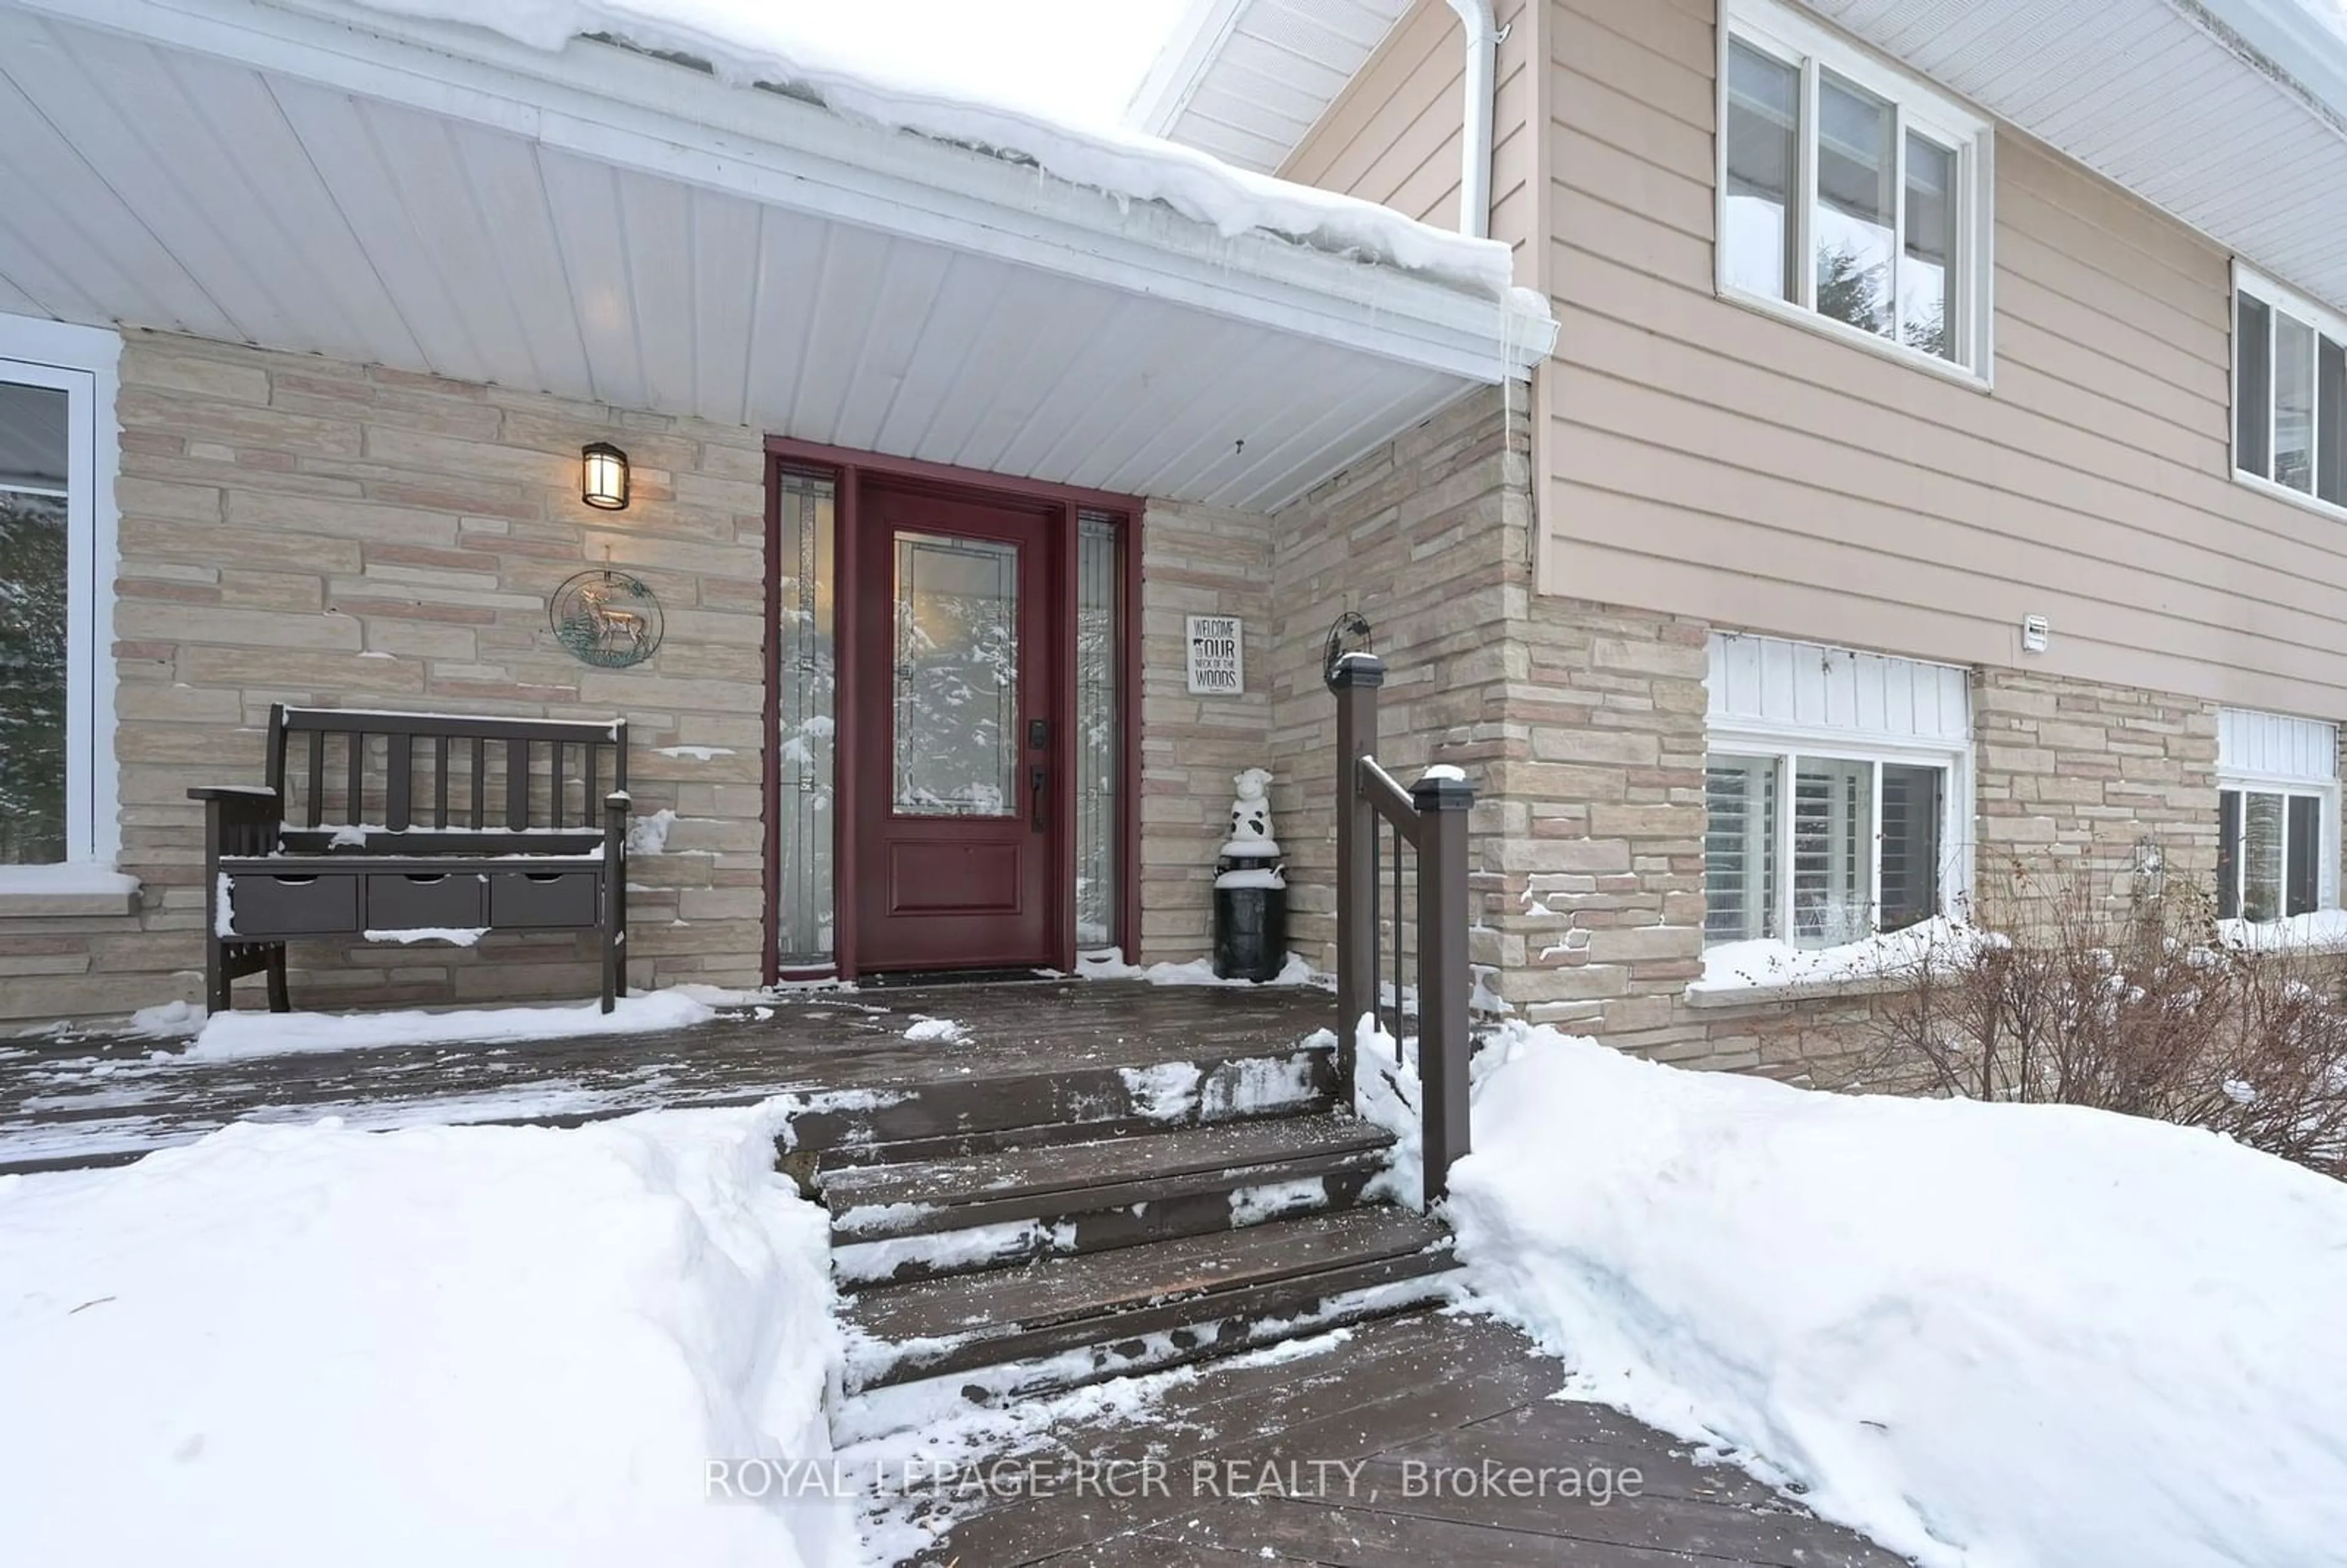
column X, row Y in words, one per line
column 317, row 777
column 399, row 781
column 389, row 769
column 517, row 784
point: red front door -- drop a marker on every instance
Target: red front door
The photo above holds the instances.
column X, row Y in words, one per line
column 955, row 731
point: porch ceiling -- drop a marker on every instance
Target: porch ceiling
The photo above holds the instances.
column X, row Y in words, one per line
column 194, row 166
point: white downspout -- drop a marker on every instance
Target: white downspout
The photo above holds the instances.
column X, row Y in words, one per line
column 1484, row 35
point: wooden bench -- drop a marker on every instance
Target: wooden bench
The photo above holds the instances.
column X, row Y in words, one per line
column 449, row 827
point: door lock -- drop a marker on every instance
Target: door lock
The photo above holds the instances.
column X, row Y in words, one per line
column 1038, row 734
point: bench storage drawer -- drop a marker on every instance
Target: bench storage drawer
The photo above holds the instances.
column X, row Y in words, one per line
column 409, row 903
column 261, row 905
column 542, row 898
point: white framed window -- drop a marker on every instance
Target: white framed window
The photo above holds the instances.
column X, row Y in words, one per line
column 1852, row 196
column 2277, row 815
column 1837, row 793
column 2290, row 392
column 58, row 443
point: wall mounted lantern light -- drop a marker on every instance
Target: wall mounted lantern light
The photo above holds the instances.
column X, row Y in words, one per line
column 604, row 477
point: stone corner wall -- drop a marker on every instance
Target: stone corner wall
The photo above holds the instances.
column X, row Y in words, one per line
column 300, row 529
column 1426, row 537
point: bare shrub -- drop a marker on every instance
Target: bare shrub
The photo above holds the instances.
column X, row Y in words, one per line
column 2138, row 1005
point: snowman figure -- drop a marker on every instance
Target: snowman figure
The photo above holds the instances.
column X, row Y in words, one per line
column 1250, row 909
column 1251, row 818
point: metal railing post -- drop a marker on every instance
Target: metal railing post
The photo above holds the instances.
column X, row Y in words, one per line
column 1354, row 680
column 1444, row 978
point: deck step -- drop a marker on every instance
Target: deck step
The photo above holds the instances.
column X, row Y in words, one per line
column 1212, row 1084
column 941, row 1217
column 1165, row 1299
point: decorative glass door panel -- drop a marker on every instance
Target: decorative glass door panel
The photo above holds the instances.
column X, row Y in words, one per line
column 955, row 677
column 961, row 845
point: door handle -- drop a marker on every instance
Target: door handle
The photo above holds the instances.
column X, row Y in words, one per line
column 1035, row 797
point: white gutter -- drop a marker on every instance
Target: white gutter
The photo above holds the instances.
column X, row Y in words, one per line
column 1484, row 35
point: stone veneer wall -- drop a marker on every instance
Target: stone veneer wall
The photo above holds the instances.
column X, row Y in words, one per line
column 2072, row 780
column 2078, row 782
column 1194, row 560
column 303, row 530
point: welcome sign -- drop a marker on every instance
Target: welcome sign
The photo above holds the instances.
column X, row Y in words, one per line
column 1217, row 655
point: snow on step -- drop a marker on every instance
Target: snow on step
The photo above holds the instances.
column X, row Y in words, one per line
column 875, row 1201
column 1280, row 1267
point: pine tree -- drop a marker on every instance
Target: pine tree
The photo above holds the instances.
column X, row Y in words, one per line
column 1850, row 291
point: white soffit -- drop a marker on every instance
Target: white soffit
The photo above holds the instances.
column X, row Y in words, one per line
column 2226, row 113
column 239, row 172
column 1246, row 79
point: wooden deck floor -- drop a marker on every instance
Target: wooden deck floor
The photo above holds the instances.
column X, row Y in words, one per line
column 93, row 1098
column 1397, row 1400
column 1331, row 1457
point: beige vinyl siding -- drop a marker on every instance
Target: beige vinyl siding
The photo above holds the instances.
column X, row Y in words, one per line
column 1709, row 461
column 1392, row 136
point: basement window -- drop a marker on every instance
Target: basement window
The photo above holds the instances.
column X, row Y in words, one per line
column 1836, row 793
column 1852, row 196
column 2277, row 815
column 1821, row 851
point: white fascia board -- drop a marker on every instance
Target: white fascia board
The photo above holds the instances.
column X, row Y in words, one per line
column 1189, row 52
column 634, row 111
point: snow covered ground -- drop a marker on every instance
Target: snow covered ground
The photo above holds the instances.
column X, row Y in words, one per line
column 453, row 1346
column 1991, row 1336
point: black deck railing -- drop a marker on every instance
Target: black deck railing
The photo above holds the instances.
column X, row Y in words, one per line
column 1427, row 819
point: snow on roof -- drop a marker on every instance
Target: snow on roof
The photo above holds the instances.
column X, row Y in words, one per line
column 747, row 42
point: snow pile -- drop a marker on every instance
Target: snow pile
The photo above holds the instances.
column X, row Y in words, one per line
column 2325, row 930
column 1766, row 964
column 1109, row 965
column 456, row 1345
column 861, row 74
column 1992, row 1336
column 455, row 936
column 648, row 835
column 239, row 1034
column 1387, row 1091
column 937, row 1030
column 169, row 1018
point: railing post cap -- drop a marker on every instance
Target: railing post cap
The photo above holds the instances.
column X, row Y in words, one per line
column 1441, row 792
column 1360, row 668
